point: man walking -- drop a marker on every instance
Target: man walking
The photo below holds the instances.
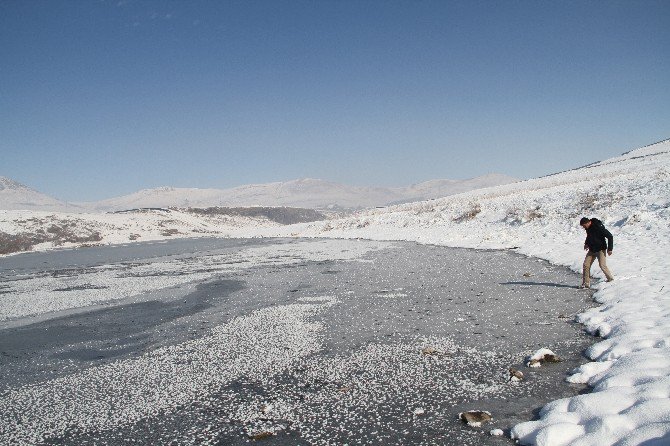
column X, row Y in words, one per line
column 599, row 244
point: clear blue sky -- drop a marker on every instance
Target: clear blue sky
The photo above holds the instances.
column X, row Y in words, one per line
column 102, row 98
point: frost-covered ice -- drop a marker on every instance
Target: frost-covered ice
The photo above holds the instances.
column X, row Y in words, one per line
column 252, row 347
column 76, row 288
column 311, row 351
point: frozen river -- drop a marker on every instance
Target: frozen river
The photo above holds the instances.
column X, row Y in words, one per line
column 288, row 342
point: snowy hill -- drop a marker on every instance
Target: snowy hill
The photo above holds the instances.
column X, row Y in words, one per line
column 306, row 193
column 629, row 375
column 303, row 193
column 14, row 195
column 22, row 230
column 30, row 220
column 441, row 188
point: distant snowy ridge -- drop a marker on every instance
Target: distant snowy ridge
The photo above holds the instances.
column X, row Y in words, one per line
column 303, row 193
column 14, row 195
column 433, row 189
column 630, row 375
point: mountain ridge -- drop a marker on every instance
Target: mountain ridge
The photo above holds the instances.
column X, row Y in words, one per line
column 17, row 196
column 307, row 193
column 304, row 192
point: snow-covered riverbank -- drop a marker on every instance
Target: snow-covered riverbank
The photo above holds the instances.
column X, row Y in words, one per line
column 29, row 230
column 630, row 375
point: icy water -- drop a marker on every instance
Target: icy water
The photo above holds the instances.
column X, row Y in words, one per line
column 282, row 342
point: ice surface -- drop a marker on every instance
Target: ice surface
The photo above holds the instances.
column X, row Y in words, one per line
column 75, row 288
column 285, row 344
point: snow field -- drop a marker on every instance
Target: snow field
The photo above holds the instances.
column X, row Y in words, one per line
column 122, row 228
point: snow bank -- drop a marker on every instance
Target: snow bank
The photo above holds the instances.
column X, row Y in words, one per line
column 40, row 230
column 630, row 377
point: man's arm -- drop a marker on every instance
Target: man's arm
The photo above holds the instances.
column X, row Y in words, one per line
column 610, row 238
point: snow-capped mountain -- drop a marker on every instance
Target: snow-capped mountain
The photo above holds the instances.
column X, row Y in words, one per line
column 303, row 193
column 14, row 196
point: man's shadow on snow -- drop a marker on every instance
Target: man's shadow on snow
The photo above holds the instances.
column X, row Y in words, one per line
column 551, row 284
column 665, row 439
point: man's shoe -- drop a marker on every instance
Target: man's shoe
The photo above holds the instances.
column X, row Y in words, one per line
column 584, row 286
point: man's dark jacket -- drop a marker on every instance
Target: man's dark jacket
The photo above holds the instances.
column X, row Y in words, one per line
column 595, row 237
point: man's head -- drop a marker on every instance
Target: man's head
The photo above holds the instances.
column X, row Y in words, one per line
column 585, row 222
